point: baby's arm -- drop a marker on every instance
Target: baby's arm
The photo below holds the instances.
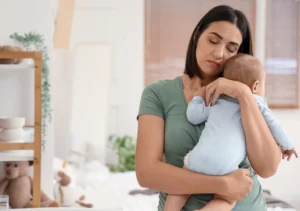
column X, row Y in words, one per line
column 197, row 112
column 279, row 133
column 3, row 184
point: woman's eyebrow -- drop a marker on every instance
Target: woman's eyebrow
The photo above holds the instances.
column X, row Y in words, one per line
column 219, row 36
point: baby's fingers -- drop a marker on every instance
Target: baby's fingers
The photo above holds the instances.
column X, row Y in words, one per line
column 284, row 155
column 295, row 153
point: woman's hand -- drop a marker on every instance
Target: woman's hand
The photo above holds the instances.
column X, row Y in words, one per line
column 237, row 185
column 225, row 86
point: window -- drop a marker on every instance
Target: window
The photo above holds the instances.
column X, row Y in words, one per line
column 169, row 24
column 282, row 53
column 168, row 27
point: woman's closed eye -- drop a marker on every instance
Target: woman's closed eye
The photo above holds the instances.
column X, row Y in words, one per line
column 232, row 49
column 213, row 41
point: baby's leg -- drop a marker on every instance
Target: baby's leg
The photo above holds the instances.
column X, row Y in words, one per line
column 220, row 204
column 175, row 202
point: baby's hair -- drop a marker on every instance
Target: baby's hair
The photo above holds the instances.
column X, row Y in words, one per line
column 243, row 68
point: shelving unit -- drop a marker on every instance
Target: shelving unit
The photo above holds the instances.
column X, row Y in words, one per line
column 35, row 156
column 14, row 156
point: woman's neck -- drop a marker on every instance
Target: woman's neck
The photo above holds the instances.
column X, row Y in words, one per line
column 196, row 82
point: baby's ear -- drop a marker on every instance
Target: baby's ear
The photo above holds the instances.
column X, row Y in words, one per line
column 254, row 87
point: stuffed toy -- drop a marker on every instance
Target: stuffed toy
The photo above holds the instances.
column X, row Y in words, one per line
column 8, row 48
column 18, row 185
column 65, row 194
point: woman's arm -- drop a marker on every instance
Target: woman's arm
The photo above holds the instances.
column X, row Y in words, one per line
column 153, row 173
column 263, row 152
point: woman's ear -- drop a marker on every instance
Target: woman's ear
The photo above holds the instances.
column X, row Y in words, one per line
column 254, row 87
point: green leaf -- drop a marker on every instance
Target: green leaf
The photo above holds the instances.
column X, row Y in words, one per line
column 33, row 41
column 125, row 149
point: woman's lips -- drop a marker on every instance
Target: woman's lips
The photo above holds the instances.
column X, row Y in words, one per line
column 212, row 63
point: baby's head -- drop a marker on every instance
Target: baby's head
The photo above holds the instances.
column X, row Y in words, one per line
column 248, row 70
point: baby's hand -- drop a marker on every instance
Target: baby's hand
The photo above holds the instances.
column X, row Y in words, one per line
column 200, row 92
column 288, row 154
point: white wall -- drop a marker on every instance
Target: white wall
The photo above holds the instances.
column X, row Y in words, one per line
column 22, row 17
column 128, row 57
column 285, row 184
column 260, row 35
column 127, row 86
column 121, row 25
column 62, row 97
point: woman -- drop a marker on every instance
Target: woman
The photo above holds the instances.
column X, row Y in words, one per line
column 165, row 136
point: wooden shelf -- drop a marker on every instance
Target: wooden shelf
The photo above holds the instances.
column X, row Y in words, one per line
column 21, row 55
column 16, row 146
column 29, row 126
column 16, row 156
column 27, row 151
column 22, row 66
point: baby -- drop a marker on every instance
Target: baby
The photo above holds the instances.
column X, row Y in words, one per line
column 222, row 146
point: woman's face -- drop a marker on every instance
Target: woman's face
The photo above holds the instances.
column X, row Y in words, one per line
column 220, row 41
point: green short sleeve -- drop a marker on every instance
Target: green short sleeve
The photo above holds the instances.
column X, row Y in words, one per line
column 151, row 101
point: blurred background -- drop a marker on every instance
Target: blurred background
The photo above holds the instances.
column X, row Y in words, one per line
column 104, row 52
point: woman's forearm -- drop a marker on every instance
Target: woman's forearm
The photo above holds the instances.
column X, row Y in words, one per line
column 262, row 150
column 173, row 180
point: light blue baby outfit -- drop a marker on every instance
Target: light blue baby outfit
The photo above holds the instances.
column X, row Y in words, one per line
column 222, row 145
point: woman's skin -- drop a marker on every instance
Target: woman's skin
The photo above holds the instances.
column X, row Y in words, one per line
column 220, row 41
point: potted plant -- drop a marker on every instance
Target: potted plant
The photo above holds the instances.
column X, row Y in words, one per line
column 124, row 146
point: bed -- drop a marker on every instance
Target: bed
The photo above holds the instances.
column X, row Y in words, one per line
column 121, row 191
column 114, row 195
column 127, row 183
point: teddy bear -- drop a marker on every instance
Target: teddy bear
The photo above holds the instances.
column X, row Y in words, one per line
column 66, row 194
column 18, row 185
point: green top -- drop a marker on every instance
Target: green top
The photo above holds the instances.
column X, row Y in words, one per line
column 166, row 99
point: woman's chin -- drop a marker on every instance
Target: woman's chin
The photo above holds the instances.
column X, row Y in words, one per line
column 210, row 73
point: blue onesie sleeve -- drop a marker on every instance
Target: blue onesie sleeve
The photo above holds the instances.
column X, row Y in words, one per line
column 197, row 112
column 279, row 133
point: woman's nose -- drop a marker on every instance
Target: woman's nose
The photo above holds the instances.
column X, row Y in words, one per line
column 219, row 52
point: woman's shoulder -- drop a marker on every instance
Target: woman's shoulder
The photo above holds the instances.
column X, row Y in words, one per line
column 162, row 86
column 156, row 97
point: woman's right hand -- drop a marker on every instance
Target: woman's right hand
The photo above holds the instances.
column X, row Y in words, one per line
column 237, row 185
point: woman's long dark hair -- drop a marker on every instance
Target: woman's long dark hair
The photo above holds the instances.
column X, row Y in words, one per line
column 219, row 13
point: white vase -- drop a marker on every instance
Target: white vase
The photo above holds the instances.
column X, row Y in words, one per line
column 12, row 122
column 12, row 134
